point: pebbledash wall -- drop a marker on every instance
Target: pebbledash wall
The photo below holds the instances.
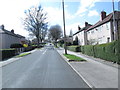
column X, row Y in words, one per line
column 81, row 34
column 9, row 37
column 101, row 32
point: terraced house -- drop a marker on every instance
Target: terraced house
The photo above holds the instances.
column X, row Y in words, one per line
column 101, row 32
column 7, row 38
column 81, row 34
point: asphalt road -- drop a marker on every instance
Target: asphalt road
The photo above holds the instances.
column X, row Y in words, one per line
column 42, row 69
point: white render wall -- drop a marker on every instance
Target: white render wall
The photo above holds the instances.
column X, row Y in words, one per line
column 6, row 40
column 81, row 38
column 100, row 35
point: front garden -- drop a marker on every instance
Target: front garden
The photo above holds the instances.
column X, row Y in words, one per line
column 109, row 51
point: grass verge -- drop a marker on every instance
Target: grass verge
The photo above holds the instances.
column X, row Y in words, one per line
column 73, row 57
column 24, row 54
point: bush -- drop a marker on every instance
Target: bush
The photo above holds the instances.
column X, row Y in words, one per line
column 7, row 53
column 30, row 48
column 74, row 48
column 16, row 45
column 88, row 49
column 75, row 42
column 68, row 43
column 109, row 51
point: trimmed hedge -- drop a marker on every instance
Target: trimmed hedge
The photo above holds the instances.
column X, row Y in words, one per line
column 7, row 54
column 88, row 49
column 16, row 45
column 29, row 48
column 74, row 48
column 109, row 51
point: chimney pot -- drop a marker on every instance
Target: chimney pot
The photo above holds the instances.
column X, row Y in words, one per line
column 103, row 15
column 86, row 24
column 2, row 27
column 79, row 27
column 12, row 31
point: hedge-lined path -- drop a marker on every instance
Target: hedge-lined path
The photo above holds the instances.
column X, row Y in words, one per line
column 42, row 69
column 97, row 73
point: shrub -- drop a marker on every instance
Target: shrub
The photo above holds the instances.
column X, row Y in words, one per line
column 109, row 51
column 7, row 53
column 74, row 48
column 16, row 45
column 88, row 49
column 30, row 48
column 75, row 42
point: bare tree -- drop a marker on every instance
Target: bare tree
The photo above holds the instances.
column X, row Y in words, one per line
column 55, row 32
column 35, row 22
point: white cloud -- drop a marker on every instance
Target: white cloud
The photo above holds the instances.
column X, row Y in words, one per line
column 93, row 13
column 85, row 6
column 73, row 27
column 12, row 11
column 55, row 15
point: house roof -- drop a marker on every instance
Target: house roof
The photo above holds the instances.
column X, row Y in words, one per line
column 13, row 34
column 84, row 28
column 107, row 19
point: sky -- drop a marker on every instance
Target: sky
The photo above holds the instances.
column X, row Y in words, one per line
column 77, row 12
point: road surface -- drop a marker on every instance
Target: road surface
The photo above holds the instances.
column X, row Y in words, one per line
column 42, row 69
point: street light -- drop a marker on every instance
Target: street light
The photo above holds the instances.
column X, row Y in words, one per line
column 65, row 46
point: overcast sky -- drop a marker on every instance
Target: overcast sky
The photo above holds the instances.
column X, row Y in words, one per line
column 76, row 12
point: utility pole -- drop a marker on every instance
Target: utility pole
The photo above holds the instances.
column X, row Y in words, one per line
column 114, row 24
column 65, row 46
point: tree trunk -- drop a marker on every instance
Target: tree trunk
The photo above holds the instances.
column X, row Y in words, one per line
column 38, row 42
column 56, row 43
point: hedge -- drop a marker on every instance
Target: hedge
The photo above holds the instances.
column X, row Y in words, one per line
column 29, row 48
column 16, row 45
column 74, row 48
column 109, row 51
column 6, row 53
column 88, row 49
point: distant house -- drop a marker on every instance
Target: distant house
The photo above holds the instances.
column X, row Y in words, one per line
column 9, row 37
column 102, row 31
column 81, row 34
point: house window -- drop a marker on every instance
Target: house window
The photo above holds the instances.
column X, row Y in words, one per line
column 108, row 39
column 92, row 32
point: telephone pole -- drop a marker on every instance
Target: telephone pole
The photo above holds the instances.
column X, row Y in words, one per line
column 114, row 23
column 65, row 46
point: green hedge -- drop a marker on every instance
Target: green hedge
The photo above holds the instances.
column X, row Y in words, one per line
column 29, row 48
column 6, row 53
column 88, row 49
column 74, row 48
column 109, row 51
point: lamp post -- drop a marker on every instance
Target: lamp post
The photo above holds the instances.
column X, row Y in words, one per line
column 65, row 46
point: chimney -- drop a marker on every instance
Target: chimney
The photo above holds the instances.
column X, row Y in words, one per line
column 86, row 24
column 12, row 31
column 79, row 27
column 103, row 15
column 2, row 27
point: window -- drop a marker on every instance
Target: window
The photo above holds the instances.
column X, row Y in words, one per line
column 92, row 31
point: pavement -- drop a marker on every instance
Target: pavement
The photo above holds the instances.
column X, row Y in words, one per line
column 96, row 72
column 44, row 68
column 10, row 60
